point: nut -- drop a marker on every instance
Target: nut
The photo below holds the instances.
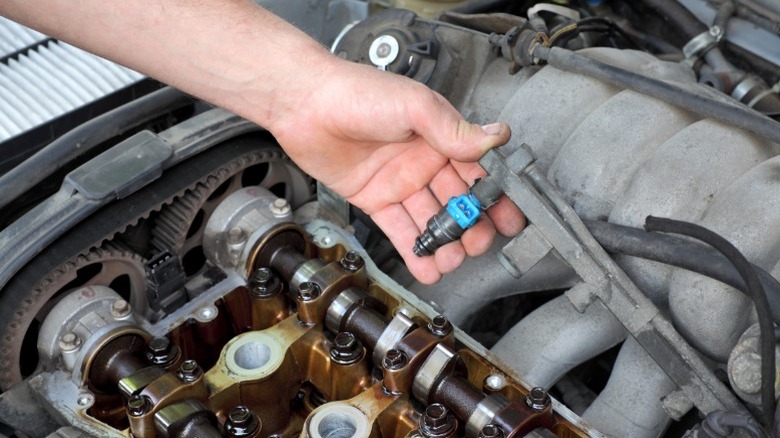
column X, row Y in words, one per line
column 138, row 405
column 189, row 371
column 437, row 421
column 69, row 342
column 440, row 326
column 120, row 308
column 352, row 261
column 308, row 291
column 491, row 431
column 394, row 359
column 347, row 349
column 241, row 422
column 538, row 399
column 263, row 283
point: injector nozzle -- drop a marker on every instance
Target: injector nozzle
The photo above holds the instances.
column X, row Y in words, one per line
column 460, row 214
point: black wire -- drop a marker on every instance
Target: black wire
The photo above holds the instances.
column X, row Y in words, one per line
column 682, row 253
column 756, row 292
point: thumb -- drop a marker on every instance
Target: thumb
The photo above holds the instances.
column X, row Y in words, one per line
column 452, row 136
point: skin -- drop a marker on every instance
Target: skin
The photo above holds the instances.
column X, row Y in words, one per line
column 391, row 146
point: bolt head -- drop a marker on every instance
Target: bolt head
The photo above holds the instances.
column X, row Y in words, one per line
column 69, row 342
column 537, row 399
column 241, row 422
column 495, row 382
column 236, row 235
column 161, row 352
column 280, row 207
column 394, row 359
column 120, row 308
column 352, row 261
column 346, row 348
column 138, row 405
column 263, row 283
column 189, row 371
column 437, row 420
column 440, row 326
column 491, row 431
column 308, row 291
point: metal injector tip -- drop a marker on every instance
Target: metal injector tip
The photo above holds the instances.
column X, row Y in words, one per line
column 460, row 214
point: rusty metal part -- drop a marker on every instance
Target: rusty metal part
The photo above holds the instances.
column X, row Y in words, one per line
column 113, row 263
column 317, row 294
column 179, row 226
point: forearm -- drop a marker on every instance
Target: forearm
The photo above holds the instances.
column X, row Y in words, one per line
column 240, row 57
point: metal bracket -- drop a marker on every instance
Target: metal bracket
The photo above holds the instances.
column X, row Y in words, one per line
column 512, row 168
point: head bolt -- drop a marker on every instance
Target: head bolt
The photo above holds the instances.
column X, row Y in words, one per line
column 494, row 383
column 280, row 207
column 120, row 308
column 308, row 291
column 352, row 261
column 440, row 326
column 138, row 405
column 491, row 431
column 263, row 283
column 437, row 421
column 537, row 399
column 394, row 360
column 189, row 371
column 69, row 342
column 241, row 423
column 347, row 349
column 235, row 236
column 161, row 352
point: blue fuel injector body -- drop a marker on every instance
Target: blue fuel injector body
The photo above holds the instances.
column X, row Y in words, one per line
column 458, row 215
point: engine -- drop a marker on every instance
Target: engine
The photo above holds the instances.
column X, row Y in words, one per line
column 188, row 280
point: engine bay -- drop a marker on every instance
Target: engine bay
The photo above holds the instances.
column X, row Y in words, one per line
column 184, row 278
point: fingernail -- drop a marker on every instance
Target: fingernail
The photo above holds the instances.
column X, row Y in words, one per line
column 492, row 129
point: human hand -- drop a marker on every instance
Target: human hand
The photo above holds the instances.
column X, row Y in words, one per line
column 398, row 151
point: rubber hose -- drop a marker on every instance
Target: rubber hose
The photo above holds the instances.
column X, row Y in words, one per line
column 756, row 292
column 682, row 253
column 680, row 17
column 479, row 6
column 703, row 106
column 82, row 139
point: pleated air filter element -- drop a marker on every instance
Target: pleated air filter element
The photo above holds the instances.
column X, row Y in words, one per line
column 42, row 79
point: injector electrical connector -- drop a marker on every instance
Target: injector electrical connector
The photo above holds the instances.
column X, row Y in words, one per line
column 460, row 214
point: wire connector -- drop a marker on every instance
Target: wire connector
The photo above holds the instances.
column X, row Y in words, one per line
column 460, row 214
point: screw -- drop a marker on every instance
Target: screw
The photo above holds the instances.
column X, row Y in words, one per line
column 440, row 326
column 394, row 359
column 138, row 405
column 189, row 371
column 264, row 283
column 352, row 261
column 347, row 349
column 537, row 399
column 236, row 235
column 69, row 342
column 120, row 308
column 491, row 431
column 241, row 422
column 437, row 421
column 161, row 352
column 280, row 207
column 308, row 291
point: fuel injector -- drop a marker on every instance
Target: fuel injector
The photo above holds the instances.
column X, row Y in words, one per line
column 458, row 215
